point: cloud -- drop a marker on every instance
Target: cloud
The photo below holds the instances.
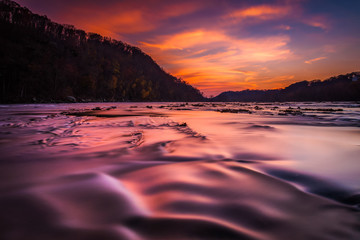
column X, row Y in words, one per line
column 212, row 56
column 132, row 21
column 244, row 72
column 317, row 22
column 187, row 40
column 235, row 49
column 113, row 17
column 263, row 12
column 283, row 27
column 314, row 60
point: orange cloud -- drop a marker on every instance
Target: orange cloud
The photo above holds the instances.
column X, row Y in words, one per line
column 261, row 12
column 126, row 17
column 245, row 50
column 275, row 82
column 179, row 9
column 244, row 72
column 190, row 39
column 125, row 23
column 209, row 56
column 284, row 27
column 314, row 60
column 318, row 22
column 130, row 22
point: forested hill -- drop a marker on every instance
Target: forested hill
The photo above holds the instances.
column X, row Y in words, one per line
column 43, row 61
column 340, row 88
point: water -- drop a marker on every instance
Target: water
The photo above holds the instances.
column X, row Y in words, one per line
column 180, row 171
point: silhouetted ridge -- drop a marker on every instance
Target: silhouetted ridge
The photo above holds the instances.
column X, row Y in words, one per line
column 46, row 61
column 339, row 88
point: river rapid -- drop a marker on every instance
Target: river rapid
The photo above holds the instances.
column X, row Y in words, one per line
column 268, row 171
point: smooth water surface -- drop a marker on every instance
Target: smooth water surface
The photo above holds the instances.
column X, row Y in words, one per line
column 180, row 171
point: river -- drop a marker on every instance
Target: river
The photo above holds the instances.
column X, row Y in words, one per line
column 180, row 171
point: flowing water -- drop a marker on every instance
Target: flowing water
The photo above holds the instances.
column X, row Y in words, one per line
column 180, row 171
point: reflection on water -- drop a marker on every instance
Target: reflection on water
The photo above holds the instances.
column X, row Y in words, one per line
column 180, row 171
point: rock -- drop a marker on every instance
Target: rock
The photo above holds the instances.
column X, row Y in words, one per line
column 240, row 110
column 112, row 107
column 183, row 124
column 71, row 99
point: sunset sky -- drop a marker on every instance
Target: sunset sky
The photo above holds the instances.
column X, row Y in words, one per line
column 220, row 45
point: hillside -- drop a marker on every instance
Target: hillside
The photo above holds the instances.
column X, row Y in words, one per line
column 43, row 61
column 339, row 88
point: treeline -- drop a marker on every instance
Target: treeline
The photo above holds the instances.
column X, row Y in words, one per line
column 43, row 61
column 339, row 88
